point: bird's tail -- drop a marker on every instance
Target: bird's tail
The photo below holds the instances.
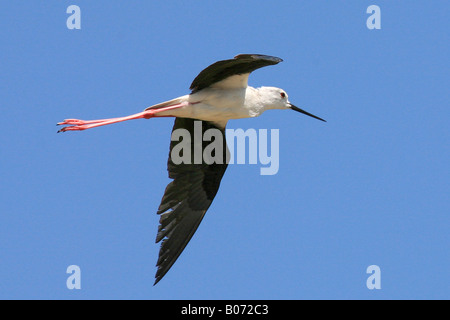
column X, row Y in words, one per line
column 174, row 102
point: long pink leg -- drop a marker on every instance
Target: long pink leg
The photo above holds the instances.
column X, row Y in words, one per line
column 78, row 125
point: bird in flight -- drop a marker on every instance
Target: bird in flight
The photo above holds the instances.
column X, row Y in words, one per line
column 219, row 93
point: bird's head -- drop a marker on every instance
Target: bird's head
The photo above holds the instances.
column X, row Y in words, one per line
column 276, row 98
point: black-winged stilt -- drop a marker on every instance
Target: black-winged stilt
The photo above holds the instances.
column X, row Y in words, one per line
column 219, row 93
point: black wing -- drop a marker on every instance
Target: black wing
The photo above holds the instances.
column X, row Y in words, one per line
column 188, row 197
column 241, row 64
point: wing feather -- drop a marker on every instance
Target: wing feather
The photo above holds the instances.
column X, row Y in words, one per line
column 242, row 64
column 186, row 199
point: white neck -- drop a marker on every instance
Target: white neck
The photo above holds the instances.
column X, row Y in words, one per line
column 256, row 101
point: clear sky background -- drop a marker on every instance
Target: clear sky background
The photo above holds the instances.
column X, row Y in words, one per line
column 369, row 187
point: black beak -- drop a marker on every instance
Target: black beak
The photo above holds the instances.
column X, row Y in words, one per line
column 307, row 113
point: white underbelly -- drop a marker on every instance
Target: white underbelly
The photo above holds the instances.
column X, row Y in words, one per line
column 212, row 105
column 206, row 112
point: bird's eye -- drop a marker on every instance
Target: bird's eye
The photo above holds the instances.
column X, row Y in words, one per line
column 283, row 95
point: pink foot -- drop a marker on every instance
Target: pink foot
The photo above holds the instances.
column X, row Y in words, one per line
column 73, row 128
column 78, row 125
column 77, row 122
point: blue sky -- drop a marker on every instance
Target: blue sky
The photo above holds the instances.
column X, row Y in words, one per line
column 369, row 187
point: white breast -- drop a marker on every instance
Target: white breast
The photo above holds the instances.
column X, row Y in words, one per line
column 218, row 105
